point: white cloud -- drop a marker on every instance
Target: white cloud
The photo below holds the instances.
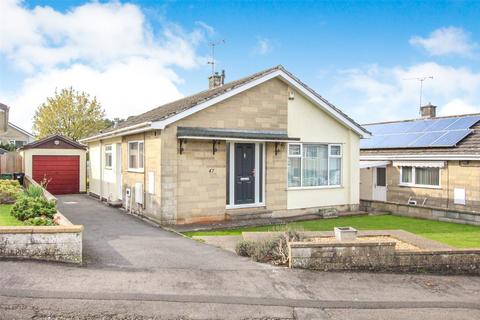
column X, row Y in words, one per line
column 263, row 47
column 446, row 41
column 107, row 49
column 210, row 30
column 378, row 94
column 458, row 106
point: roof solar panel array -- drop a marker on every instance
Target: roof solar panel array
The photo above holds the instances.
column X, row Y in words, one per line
column 444, row 132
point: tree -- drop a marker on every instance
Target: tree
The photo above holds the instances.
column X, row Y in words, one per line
column 70, row 113
column 110, row 123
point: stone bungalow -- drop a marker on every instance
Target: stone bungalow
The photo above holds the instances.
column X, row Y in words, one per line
column 430, row 162
column 266, row 144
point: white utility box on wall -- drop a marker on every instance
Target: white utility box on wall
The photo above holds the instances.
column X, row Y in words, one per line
column 139, row 192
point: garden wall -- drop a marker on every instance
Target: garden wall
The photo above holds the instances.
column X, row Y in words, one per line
column 381, row 256
column 424, row 212
column 61, row 243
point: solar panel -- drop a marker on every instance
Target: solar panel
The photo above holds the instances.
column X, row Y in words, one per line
column 464, row 123
column 426, row 139
column 450, row 138
column 444, row 132
column 441, row 124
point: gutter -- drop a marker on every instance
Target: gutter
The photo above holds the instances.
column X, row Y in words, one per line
column 423, row 157
column 120, row 132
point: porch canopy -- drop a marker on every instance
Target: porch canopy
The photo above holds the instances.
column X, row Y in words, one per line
column 364, row 164
column 233, row 134
column 424, row 164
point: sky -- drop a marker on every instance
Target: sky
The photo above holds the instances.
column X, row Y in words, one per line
column 363, row 56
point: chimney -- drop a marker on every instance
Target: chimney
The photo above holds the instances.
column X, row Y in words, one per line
column 4, row 109
column 216, row 80
column 428, row 111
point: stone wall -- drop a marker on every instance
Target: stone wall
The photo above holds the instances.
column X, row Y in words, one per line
column 61, row 243
column 263, row 107
column 423, row 212
column 455, row 174
column 381, row 256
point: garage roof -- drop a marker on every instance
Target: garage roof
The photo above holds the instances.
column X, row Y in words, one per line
column 55, row 141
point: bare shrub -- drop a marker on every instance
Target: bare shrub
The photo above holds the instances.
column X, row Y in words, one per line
column 245, row 248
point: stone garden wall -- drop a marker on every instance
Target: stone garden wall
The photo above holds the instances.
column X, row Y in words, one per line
column 61, row 243
column 381, row 256
column 424, row 212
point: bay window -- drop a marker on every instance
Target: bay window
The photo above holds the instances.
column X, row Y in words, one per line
column 314, row 165
column 420, row 176
column 135, row 155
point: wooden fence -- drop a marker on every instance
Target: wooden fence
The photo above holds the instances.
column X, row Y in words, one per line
column 11, row 162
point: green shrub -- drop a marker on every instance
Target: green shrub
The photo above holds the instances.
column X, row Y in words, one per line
column 27, row 207
column 39, row 221
column 34, row 191
column 245, row 248
column 10, row 190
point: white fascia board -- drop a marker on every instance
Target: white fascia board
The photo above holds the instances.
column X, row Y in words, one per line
column 120, row 132
column 422, row 157
column 278, row 73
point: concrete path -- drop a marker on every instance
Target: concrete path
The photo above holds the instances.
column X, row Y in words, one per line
column 137, row 271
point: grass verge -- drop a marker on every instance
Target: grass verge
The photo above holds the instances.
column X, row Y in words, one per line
column 6, row 219
column 455, row 235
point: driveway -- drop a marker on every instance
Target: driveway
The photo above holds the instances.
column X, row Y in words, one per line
column 135, row 270
column 113, row 238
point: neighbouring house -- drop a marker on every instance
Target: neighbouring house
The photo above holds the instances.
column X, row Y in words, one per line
column 57, row 160
column 432, row 161
column 266, row 144
column 10, row 133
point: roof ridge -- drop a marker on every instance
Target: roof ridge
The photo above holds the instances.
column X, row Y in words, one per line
column 418, row 119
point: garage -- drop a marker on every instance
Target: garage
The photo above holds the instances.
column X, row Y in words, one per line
column 58, row 162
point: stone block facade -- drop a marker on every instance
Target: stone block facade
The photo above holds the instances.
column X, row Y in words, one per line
column 455, row 174
column 194, row 182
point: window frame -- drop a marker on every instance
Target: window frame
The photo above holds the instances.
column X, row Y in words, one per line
column 414, row 179
column 138, row 169
column 329, row 155
column 14, row 143
column 108, row 152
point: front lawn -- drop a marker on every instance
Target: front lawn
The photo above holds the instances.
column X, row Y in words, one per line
column 455, row 235
column 5, row 218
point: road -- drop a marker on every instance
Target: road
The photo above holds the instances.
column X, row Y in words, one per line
column 135, row 270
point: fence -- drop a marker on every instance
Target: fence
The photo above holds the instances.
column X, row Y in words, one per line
column 11, row 162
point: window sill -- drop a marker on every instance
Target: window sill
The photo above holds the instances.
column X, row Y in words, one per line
column 136, row 170
column 314, row 188
column 108, row 168
column 419, row 186
column 242, row 206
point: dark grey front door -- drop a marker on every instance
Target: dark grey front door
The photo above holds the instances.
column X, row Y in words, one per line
column 244, row 173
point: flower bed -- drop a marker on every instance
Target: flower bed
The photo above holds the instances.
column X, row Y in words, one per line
column 44, row 233
column 29, row 205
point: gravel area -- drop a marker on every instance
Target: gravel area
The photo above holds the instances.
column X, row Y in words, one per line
column 399, row 245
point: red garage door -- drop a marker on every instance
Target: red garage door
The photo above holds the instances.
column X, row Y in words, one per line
column 63, row 172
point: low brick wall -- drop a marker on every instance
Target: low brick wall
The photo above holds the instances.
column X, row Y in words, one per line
column 381, row 256
column 424, row 212
column 61, row 243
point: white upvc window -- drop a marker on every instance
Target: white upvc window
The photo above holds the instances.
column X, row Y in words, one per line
column 420, row 176
column 314, row 165
column 135, row 156
column 108, row 156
